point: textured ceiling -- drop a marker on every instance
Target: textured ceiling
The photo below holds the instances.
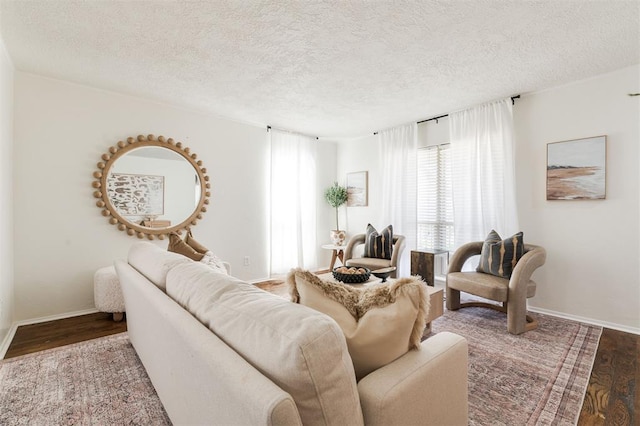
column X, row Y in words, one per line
column 326, row 68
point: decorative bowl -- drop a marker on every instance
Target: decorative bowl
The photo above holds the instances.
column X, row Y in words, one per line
column 351, row 278
column 384, row 272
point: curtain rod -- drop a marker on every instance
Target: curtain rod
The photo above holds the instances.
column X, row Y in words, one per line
column 269, row 129
column 513, row 102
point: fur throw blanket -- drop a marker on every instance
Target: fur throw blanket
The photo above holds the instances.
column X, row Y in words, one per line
column 359, row 301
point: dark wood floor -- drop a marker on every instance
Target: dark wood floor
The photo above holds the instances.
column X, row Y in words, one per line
column 51, row 334
column 612, row 398
column 613, row 395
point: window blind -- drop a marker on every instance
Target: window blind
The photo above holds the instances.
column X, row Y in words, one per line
column 434, row 198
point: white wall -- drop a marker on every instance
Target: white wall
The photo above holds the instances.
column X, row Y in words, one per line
column 592, row 270
column 6, row 193
column 592, row 246
column 61, row 129
column 360, row 155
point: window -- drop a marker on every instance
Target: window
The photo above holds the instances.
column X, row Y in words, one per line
column 435, row 199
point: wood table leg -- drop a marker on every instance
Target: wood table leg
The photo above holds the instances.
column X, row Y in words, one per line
column 333, row 259
column 340, row 255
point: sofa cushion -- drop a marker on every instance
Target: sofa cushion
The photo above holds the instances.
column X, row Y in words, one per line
column 484, row 285
column 303, row 351
column 154, row 262
column 378, row 245
column 498, row 256
column 380, row 322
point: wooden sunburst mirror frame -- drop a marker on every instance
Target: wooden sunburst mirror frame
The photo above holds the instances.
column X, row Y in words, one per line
column 133, row 229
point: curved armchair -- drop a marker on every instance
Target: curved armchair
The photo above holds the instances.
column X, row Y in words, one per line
column 511, row 293
column 372, row 262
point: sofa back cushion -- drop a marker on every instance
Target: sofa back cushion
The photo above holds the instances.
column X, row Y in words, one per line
column 302, row 351
column 153, row 262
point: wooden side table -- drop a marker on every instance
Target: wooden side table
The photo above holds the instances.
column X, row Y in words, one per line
column 338, row 253
column 422, row 263
column 436, row 306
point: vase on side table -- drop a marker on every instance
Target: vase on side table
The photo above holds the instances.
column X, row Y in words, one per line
column 338, row 237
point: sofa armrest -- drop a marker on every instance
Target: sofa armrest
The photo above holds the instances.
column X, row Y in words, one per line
column 426, row 386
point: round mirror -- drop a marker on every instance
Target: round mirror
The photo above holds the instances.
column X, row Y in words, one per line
column 151, row 187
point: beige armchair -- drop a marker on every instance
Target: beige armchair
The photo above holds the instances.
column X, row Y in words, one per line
column 511, row 293
column 372, row 262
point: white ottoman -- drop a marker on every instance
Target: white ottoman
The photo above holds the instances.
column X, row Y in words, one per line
column 107, row 294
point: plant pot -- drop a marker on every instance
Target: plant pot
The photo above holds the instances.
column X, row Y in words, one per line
column 338, row 237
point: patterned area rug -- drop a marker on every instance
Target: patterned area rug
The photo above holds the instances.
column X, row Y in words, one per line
column 98, row 382
column 537, row 378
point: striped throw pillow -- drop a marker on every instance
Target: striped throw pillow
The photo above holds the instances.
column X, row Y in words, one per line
column 498, row 256
column 378, row 245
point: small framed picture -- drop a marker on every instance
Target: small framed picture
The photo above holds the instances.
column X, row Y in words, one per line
column 357, row 189
column 576, row 169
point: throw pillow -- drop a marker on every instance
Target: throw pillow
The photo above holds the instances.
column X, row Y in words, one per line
column 499, row 257
column 194, row 244
column 378, row 245
column 214, row 262
column 177, row 245
column 380, row 322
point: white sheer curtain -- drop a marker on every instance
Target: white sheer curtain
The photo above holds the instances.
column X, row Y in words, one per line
column 293, row 201
column 483, row 172
column 398, row 156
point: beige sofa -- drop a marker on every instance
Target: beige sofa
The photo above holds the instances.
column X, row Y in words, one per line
column 221, row 351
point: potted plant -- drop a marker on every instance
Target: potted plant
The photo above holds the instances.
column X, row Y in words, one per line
column 336, row 196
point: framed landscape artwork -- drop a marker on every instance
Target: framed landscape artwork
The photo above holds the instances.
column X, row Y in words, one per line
column 357, row 189
column 576, row 169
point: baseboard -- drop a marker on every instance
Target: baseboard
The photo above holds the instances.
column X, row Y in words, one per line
column 57, row 317
column 14, row 327
column 7, row 340
column 605, row 324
